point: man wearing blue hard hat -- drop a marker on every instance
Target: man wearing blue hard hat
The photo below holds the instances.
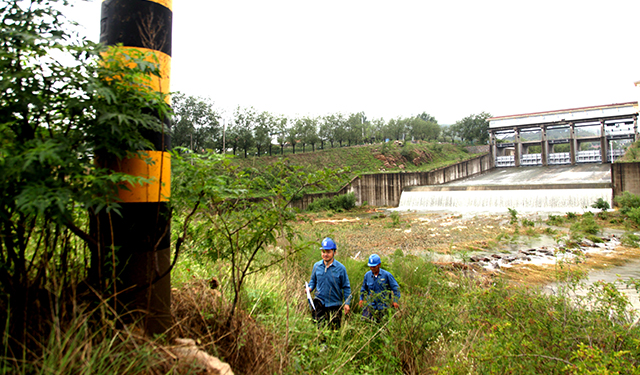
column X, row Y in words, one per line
column 378, row 288
column 331, row 284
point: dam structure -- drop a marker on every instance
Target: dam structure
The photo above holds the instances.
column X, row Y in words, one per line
column 596, row 134
column 551, row 189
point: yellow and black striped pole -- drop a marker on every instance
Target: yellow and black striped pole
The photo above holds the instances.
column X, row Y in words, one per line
column 141, row 236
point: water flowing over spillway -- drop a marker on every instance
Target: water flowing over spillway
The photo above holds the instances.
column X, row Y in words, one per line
column 553, row 200
column 549, row 189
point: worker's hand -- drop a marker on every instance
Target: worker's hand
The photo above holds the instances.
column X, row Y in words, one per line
column 395, row 305
column 361, row 303
column 347, row 309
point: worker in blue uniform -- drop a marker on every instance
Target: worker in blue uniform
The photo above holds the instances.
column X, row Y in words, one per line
column 379, row 288
column 331, row 284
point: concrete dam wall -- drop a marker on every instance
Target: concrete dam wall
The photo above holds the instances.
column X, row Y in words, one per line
column 625, row 177
column 385, row 189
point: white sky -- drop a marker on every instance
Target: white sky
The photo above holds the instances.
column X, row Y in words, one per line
column 399, row 58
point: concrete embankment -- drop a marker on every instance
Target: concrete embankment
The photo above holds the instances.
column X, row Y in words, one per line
column 385, row 189
column 478, row 174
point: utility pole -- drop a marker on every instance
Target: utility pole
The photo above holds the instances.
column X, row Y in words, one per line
column 224, row 134
column 138, row 239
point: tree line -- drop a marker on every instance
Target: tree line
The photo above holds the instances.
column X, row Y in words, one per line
column 198, row 125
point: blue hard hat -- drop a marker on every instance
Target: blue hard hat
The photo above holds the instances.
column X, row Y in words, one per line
column 374, row 260
column 328, row 244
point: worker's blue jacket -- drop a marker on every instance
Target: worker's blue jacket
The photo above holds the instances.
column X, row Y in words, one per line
column 330, row 283
column 377, row 290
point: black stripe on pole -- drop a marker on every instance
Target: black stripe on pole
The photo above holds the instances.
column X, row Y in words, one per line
column 160, row 141
column 140, row 234
column 136, row 23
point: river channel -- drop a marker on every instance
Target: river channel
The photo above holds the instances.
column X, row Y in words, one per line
column 525, row 190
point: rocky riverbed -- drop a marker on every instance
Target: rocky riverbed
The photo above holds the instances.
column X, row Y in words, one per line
column 546, row 255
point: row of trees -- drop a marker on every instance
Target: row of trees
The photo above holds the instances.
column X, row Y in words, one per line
column 198, row 125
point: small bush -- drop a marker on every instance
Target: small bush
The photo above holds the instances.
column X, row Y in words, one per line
column 634, row 215
column 555, row 220
column 630, row 239
column 627, row 202
column 395, row 219
column 528, row 223
column 601, row 204
column 345, row 201
column 339, row 203
column 586, row 226
column 514, row 216
column 322, row 204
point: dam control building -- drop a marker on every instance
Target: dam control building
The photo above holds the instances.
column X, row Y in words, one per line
column 596, row 134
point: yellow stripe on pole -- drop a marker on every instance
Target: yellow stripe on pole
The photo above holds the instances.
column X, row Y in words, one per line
column 166, row 3
column 156, row 83
column 155, row 165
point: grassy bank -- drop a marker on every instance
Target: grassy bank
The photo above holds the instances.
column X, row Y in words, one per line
column 453, row 319
column 376, row 158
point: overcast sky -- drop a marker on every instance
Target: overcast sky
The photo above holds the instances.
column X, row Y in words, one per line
column 400, row 58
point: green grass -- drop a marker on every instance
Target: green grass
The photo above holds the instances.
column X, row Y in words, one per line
column 449, row 322
column 363, row 159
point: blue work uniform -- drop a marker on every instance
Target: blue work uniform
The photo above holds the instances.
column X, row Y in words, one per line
column 330, row 283
column 378, row 289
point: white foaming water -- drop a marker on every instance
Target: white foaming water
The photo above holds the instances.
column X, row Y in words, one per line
column 551, row 200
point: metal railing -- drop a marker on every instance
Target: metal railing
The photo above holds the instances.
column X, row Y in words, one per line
column 531, row 159
column 559, row 158
column 505, row 161
column 591, row 156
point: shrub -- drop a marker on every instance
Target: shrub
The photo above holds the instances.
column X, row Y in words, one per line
column 395, row 219
column 634, row 214
column 629, row 239
column 339, row 203
column 627, row 201
column 345, row 201
column 586, row 226
column 514, row 216
column 601, row 204
column 555, row 220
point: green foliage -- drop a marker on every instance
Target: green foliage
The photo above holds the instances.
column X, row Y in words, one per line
column 586, row 226
column 196, row 124
column 338, row 203
column 629, row 205
column 590, row 360
column 513, row 216
column 634, row 215
column 627, row 202
column 473, row 128
column 82, row 348
column 395, row 219
column 571, row 216
column 555, row 220
column 528, row 223
column 238, row 213
column 601, row 204
column 56, row 121
column 630, row 239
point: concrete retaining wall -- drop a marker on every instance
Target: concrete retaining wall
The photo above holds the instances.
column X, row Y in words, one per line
column 625, row 177
column 384, row 189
